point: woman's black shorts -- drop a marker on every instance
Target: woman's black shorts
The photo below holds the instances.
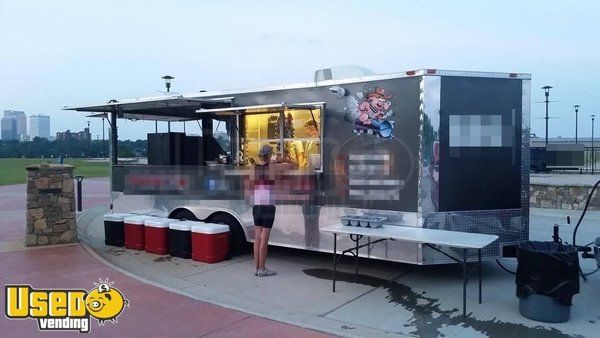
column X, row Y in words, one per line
column 264, row 215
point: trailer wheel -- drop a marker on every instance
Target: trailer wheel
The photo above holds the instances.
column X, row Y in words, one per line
column 237, row 239
column 184, row 214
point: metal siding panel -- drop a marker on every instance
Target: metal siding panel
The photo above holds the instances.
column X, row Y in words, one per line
column 525, row 158
column 429, row 141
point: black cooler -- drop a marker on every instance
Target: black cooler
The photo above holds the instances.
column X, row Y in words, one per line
column 114, row 229
column 180, row 238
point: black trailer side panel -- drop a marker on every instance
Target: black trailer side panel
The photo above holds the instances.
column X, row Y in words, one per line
column 366, row 170
column 480, row 144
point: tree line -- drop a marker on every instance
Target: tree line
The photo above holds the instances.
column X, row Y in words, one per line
column 43, row 148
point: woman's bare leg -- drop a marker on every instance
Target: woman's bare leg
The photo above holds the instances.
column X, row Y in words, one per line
column 263, row 247
column 258, row 230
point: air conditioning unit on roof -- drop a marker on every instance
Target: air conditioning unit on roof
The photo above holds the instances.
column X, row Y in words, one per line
column 342, row 72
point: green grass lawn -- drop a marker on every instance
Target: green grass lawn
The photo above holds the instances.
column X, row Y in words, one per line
column 12, row 170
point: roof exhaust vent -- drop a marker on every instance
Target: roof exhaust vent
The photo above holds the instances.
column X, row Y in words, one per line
column 342, row 72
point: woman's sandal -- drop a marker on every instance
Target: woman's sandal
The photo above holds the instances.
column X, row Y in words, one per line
column 266, row 273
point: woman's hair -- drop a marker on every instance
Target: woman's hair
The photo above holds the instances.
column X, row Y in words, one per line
column 310, row 124
column 265, row 153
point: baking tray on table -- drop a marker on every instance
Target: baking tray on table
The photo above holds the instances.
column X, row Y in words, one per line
column 363, row 221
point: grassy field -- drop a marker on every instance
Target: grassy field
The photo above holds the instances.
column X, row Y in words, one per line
column 12, row 170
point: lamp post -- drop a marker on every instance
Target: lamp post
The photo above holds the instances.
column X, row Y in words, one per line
column 547, row 94
column 593, row 151
column 89, row 139
column 167, row 79
column 69, row 138
column 576, row 112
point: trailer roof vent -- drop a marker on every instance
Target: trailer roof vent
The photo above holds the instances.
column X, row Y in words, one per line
column 342, row 72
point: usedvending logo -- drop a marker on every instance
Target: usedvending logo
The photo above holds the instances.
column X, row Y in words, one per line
column 65, row 309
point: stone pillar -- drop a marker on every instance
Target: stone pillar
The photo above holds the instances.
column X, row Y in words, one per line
column 50, row 205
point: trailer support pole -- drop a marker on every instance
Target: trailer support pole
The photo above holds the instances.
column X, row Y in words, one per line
column 334, row 258
column 464, row 271
column 113, row 137
column 479, row 262
column 207, row 132
column 356, row 261
column 282, row 132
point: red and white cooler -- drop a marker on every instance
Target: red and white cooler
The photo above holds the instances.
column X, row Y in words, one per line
column 156, row 231
column 134, row 231
column 210, row 242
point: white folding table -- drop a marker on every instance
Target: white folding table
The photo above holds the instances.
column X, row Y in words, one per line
column 429, row 237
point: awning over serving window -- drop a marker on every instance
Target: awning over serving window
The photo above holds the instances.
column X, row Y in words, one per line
column 164, row 108
column 261, row 109
column 182, row 108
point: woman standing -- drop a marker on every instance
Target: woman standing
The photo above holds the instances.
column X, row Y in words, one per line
column 263, row 211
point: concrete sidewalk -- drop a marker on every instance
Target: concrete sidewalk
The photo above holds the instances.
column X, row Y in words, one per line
column 154, row 311
column 388, row 299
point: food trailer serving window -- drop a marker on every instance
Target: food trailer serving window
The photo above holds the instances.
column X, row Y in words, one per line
column 292, row 130
column 293, row 133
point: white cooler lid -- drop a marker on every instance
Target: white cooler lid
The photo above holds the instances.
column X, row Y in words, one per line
column 137, row 219
column 158, row 222
column 210, row 228
column 151, row 212
column 182, row 225
column 117, row 217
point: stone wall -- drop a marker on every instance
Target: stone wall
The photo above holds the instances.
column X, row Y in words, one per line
column 562, row 197
column 50, row 205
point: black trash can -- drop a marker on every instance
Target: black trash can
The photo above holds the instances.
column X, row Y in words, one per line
column 547, row 278
column 180, row 238
column 114, row 231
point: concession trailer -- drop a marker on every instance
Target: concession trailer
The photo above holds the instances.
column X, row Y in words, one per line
column 425, row 148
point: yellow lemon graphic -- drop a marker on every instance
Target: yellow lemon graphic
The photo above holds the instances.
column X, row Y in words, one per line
column 105, row 302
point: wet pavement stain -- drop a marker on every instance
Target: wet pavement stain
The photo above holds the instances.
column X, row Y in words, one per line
column 428, row 318
column 115, row 252
column 163, row 259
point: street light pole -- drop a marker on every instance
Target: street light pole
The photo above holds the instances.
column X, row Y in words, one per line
column 547, row 94
column 593, row 151
column 89, row 139
column 168, row 79
column 576, row 112
column 103, row 143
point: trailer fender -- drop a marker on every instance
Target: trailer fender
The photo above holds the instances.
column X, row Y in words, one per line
column 184, row 214
column 239, row 233
column 238, row 241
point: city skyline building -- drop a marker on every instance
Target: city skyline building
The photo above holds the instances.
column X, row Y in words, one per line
column 84, row 135
column 21, row 118
column 9, row 128
column 39, row 126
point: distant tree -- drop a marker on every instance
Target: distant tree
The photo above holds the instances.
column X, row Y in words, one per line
column 40, row 147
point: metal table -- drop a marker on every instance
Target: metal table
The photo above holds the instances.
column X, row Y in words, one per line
column 429, row 237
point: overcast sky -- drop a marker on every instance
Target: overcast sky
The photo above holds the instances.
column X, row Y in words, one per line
column 57, row 53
